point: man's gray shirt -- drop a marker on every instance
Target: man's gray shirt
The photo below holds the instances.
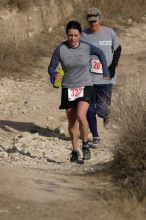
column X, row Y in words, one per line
column 107, row 41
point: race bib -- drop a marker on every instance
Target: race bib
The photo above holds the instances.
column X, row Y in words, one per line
column 96, row 67
column 75, row 93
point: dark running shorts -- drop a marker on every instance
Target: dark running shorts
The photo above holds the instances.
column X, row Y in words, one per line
column 66, row 104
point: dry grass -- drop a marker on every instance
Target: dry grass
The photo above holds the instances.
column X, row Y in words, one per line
column 122, row 9
column 21, row 4
column 13, row 56
column 20, row 42
column 129, row 165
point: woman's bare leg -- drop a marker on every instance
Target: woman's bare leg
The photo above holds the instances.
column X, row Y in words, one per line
column 82, row 108
column 73, row 127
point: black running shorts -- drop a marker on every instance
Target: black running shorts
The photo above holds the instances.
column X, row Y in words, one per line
column 66, row 104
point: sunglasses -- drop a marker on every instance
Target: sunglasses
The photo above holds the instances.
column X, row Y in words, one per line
column 92, row 15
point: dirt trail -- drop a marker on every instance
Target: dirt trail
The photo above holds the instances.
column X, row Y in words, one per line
column 37, row 180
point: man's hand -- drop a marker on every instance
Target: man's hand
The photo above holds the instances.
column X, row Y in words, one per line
column 106, row 78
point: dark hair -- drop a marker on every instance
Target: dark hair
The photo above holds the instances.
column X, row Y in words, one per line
column 73, row 25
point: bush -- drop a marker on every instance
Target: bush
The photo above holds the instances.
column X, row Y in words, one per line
column 129, row 164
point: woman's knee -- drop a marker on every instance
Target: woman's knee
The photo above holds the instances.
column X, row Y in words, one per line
column 81, row 118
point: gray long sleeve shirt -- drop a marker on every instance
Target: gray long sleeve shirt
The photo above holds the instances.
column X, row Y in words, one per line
column 107, row 41
column 76, row 63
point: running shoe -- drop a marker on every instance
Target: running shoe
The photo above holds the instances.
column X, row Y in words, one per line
column 86, row 152
column 94, row 143
column 74, row 156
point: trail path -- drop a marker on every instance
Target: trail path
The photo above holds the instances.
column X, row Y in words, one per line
column 36, row 175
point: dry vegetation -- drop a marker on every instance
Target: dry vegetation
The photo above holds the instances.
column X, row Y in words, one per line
column 19, row 46
column 129, row 165
column 28, row 27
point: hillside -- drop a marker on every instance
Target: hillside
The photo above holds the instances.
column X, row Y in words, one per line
column 37, row 180
column 32, row 28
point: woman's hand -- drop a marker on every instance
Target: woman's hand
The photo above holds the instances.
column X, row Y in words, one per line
column 58, row 76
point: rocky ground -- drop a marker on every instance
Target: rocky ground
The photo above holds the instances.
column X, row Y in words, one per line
column 37, row 180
